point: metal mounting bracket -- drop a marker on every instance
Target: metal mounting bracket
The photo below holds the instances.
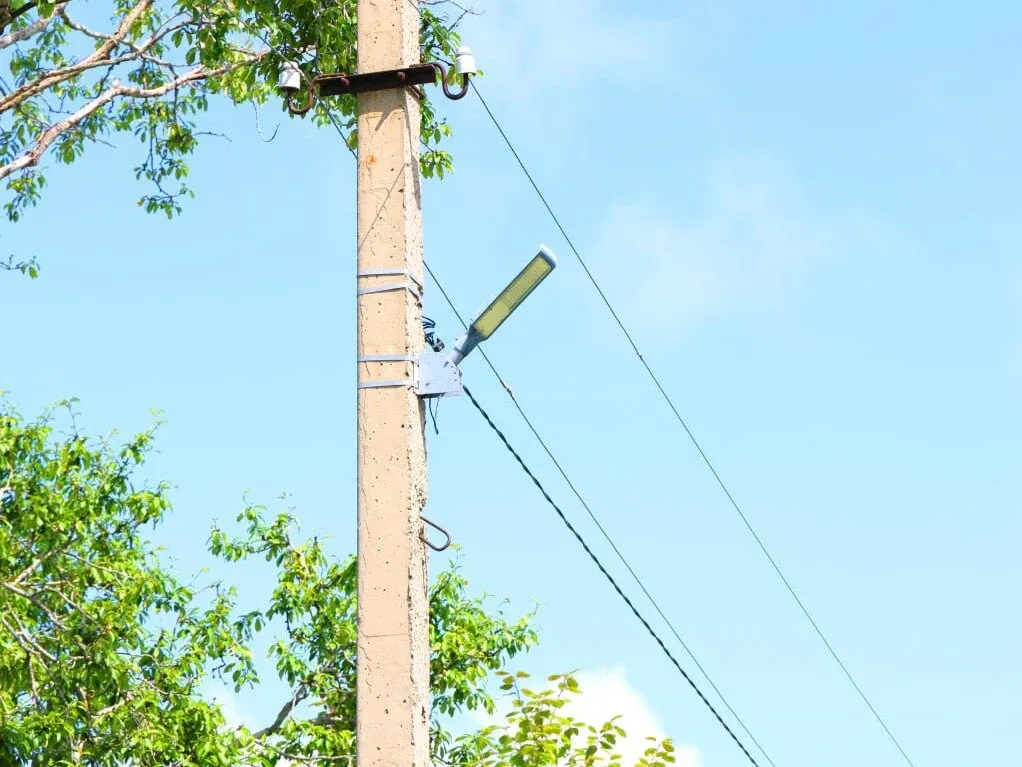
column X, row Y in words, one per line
column 437, row 376
column 339, row 84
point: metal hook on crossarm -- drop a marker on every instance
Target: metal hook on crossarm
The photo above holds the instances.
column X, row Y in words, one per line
column 464, row 66
column 452, row 95
column 435, row 526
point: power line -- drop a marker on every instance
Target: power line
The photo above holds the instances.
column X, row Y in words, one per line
column 609, row 577
column 329, row 113
column 595, row 519
column 592, row 515
column 606, row 535
column 333, row 120
column 670, row 403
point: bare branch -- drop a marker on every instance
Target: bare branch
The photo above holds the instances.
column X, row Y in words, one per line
column 465, row 11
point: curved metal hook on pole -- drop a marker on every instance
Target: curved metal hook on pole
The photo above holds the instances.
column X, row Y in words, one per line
column 453, row 96
column 435, row 526
column 306, row 105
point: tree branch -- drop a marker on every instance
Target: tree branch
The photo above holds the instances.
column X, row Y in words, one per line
column 42, row 559
column 128, row 697
column 23, row 9
column 141, row 50
column 48, row 136
column 37, row 26
column 57, row 622
column 24, row 638
column 300, row 694
column 98, row 57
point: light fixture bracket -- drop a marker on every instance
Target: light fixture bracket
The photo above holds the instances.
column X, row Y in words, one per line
column 437, row 376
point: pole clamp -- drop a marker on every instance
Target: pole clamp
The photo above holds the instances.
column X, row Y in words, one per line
column 388, row 358
column 415, row 286
column 389, row 382
column 433, row 374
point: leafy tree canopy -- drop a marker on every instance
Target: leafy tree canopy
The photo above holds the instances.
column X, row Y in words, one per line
column 80, row 72
column 105, row 656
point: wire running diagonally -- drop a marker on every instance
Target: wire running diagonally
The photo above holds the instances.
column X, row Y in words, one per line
column 596, row 520
column 610, row 578
column 684, row 425
column 333, row 120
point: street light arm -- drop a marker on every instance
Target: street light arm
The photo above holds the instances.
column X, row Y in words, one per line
column 464, row 345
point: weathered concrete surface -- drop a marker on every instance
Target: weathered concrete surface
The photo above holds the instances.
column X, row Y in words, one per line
column 393, row 647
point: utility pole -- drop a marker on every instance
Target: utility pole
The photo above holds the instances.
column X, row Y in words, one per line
column 393, row 609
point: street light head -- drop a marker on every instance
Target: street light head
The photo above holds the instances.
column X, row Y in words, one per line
column 517, row 291
column 493, row 316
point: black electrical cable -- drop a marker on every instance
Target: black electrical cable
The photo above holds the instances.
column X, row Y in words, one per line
column 609, row 577
column 670, row 403
column 592, row 515
column 542, row 442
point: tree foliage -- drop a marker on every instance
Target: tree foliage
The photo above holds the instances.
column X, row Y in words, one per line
column 80, row 75
column 105, row 656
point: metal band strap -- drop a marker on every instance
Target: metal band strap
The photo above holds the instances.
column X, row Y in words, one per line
column 393, row 382
column 411, row 287
column 388, row 358
column 392, row 273
column 416, row 287
column 390, row 382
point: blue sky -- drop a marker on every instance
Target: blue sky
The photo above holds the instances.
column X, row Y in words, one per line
column 808, row 215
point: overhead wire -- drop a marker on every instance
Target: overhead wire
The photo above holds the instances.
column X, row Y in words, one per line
column 606, row 535
column 599, row 525
column 284, row 55
column 609, row 577
column 333, row 120
column 688, row 431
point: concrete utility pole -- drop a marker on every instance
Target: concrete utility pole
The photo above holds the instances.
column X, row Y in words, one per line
column 393, row 611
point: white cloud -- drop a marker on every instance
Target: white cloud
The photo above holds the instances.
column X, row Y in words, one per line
column 753, row 240
column 228, row 702
column 606, row 693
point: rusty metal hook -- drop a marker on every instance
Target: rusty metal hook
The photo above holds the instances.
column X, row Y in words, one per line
column 307, row 104
column 443, row 83
column 435, row 526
